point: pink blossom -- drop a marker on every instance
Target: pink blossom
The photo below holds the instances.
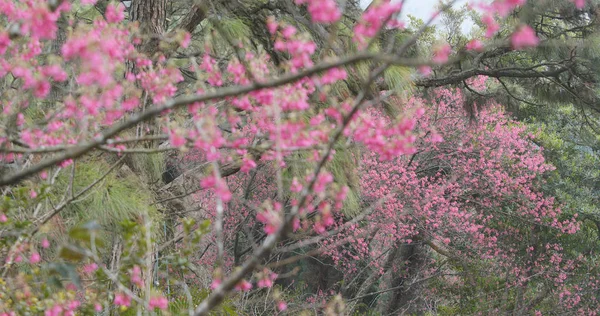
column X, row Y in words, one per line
column 41, row 89
column 397, row 24
column 187, row 39
column 288, row 31
column 71, row 287
column 296, row 185
column 73, row 305
column 217, row 184
column 210, row 66
column 33, row 194
column 475, row 45
column 247, row 164
column 4, row 42
column 281, row 306
column 35, row 258
column 130, row 104
column 159, row 302
column 122, row 299
column 215, row 283
column 323, row 179
column 491, row 25
column 301, row 51
column 20, row 119
column 244, row 286
column 3, row 218
column 40, row 22
column 436, row 138
column 322, row 11
column 272, row 25
column 90, row 268
column 295, row 224
column 441, row 53
column 55, row 310
column 425, row 71
column 388, row 140
column 115, row 13
column 333, row 75
column 524, row 37
column 372, row 20
column 271, row 218
column 504, row 7
column 265, row 283
column 45, row 243
column 319, row 228
column 55, row 72
column 176, row 139
column 579, row 4
column 65, row 163
column 267, row 279
column 136, row 276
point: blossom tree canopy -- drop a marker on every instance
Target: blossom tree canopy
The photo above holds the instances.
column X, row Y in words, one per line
column 273, row 157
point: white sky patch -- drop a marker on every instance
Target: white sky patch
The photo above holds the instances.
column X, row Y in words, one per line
column 423, row 9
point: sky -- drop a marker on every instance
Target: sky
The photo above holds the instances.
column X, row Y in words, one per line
column 423, row 9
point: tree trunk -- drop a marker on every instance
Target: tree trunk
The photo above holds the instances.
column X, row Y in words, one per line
column 373, row 277
column 152, row 16
column 57, row 93
column 411, row 260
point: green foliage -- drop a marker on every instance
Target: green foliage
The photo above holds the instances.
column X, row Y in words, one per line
column 118, row 197
column 149, row 167
column 343, row 167
column 571, row 147
column 398, row 79
column 228, row 31
column 180, row 304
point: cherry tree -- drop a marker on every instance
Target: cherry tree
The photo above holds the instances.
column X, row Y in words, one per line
column 264, row 128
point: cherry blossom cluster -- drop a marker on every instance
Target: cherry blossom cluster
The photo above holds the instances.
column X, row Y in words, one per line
column 462, row 186
column 373, row 19
column 322, row 11
column 462, row 180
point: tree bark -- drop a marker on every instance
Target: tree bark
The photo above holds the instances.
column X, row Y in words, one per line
column 152, row 17
column 374, row 276
column 400, row 300
column 196, row 15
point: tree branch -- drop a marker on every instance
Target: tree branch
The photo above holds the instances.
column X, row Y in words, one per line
column 494, row 73
column 222, row 93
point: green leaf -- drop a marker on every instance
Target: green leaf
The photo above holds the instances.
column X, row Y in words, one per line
column 65, row 271
column 69, row 254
